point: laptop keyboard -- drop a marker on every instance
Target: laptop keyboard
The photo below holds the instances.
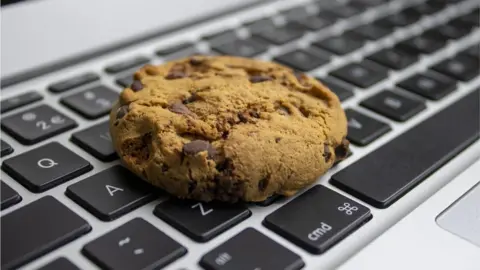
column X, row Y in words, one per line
column 355, row 63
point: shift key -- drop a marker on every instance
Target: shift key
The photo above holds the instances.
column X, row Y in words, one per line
column 325, row 217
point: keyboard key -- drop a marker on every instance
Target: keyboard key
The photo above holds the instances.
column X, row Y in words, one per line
column 38, row 228
column 326, row 218
column 201, row 221
column 222, row 37
column 450, row 30
column 339, row 45
column 92, row 103
column 371, row 31
column 111, row 193
column 261, row 25
column 125, row 81
column 429, row 85
column 362, row 130
column 472, row 17
column 360, row 74
column 400, row 19
column 73, row 82
column 46, row 167
column 282, row 34
column 427, row 8
column 6, row 149
column 97, row 141
column 250, row 249
column 461, row 67
column 126, row 64
column 302, row 60
column 388, row 173
column 9, row 196
column 473, row 51
column 269, row 201
column 61, row 263
column 346, row 11
column 37, row 124
column 241, row 47
column 394, row 59
column 181, row 48
column 15, row 102
column 314, row 22
column 423, row 44
column 394, row 106
column 136, row 244
column 343, row 91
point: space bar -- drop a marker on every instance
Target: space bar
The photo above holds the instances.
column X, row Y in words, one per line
column 388, row 173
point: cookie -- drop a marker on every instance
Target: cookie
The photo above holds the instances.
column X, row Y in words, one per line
column 227, row 128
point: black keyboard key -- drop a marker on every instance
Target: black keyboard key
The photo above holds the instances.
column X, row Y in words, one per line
column 15, row 102
column 302, row 60
column 326, row 218
column 92, row 103
column 38, row 228
column 9, row 196
column 394, row 106
column 73, row 82
column 343, row 91
column 241, row 47
column 250, row 249
column 260, row 25
column 340, row 45
column 136, row 244
column 46, row 167
column 401, row 19
column 181, row 48
column 472, row 18
column 313, row 22
column 37, row 124
column 61, row 263
column 111, row 193
column 429, row 85
column 269, row 201
column 427, row 8
column 372, row 31
column 461, row 67
column 360, row 74
column 222, row 37
column 97, row 141
column 388, row 173
column 6, row 149
column 362, row 130
column 394, row 59
column 201, row 221
column 473, row 51
column 282, row 34
column 125, row 81
column 449, row 30
column 346, row 11
column 423, row 44
column 126, row 64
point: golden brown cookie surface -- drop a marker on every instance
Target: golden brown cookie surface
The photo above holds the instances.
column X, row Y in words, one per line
column 227, row 128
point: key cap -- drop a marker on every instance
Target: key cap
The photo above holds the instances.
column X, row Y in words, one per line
column 136, row 244
column 372, row 31
column 303, row 60
column 429, row 85
column 282, row 34
column 201, row 221
column 9, row 196
column 61, row 263
column 181, row 48
column 111, row 193
column 339, row 45
column 473, row 51
column 92, row 103
column 222, row 37
column 360, row 74
column 125, row 81
column 472, row 17
column 37, row 124
column 6, row 149
column 423, row 44
column 449, row 30
column 427, row 8
column 126, row 64
column 45, row 167
column 73, row 82
column 461, row 67
column 38, row 228
column 400, row 19
column 326, row 218
column 394, row 59
column 343, row 91
column 269, row 201
column 260, row 25
column 394, row 106
column 15, row 102
column 314, row 22
column 362, row 130
column 346, row 11
column 234, row 254
column 388, row 173
column 242, row 47
column 97, row 141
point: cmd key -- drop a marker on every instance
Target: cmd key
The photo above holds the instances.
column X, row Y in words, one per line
column 325, row 218
column 388, row 173
column 36, row 229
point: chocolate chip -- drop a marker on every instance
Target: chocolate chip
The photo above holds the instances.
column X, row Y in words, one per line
column 122, row 111
column 278, row 139
column 262, row 184
column 196, row 61
column 175, row 74
column 341, row 151
column 225, row 135
column 165, row 167
column 197, row 146
column 136, row 86
column 255, row 114
column 226, row 167
column 242, row 118
column 259, row 78
column 326, row 153
column 193, row 97
column 179, row 108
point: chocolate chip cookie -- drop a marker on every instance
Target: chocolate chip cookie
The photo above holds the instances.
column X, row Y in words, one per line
column 227, row 128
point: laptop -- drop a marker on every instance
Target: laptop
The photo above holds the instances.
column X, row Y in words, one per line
column 407, row 196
